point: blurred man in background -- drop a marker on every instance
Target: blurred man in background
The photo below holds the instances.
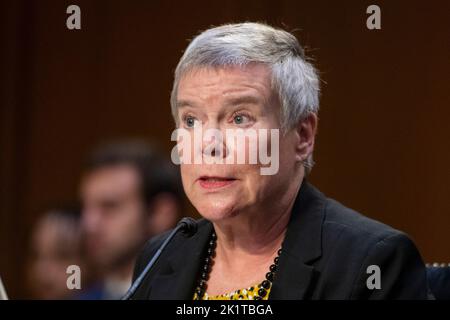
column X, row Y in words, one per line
column 129, row 193
column 55, row 245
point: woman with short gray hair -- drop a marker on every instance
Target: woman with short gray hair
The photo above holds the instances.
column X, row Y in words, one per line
column 265, row 236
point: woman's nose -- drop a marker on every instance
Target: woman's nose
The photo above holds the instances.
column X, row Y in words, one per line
column 213, row 143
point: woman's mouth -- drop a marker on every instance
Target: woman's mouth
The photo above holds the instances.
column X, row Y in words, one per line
column 214, row 182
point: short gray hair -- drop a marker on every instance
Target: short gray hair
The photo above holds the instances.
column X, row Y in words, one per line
column 293, row 77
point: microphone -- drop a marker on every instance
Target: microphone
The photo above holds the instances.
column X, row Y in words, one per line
column 188, row 227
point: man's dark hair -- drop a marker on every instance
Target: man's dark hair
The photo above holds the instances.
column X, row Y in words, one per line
column 157, row 174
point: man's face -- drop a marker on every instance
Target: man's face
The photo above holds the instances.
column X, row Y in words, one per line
column 55, row 246
column 233, row 98
column 114, row 217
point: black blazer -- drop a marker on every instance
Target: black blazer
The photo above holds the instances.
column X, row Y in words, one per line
column 439, row 282
column 326, row 252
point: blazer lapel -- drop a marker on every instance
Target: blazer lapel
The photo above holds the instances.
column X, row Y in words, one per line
column 293, row 280
column 302, row 245
column 178, row 272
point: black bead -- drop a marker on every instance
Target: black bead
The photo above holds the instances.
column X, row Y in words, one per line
column 212, row 244
column 241, row 296
column 207, row 260
column 206, row 268
column 279, row 252
column 204, row 275
column 210, row 251
column 202, row 284
column 265, row 284
column 251, row 289
column 262, row 292
column 269, row 276
column 213, row 235
column 276, row 260
column 273, row 268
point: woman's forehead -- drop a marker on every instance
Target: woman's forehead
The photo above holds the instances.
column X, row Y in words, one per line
column 250, row 84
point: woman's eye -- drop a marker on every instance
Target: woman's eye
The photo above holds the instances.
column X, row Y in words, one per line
column 240, row 119
column 189, row 121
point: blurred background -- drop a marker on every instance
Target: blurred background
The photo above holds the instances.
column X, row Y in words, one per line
column 82, row 108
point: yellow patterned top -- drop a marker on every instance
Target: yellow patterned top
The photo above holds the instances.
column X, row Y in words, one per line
column 242, row 294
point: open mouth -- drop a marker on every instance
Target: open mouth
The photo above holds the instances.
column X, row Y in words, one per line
column 208, row 182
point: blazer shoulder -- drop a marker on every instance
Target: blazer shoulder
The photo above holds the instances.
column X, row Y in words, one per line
column 354, row 242
column 148, row 251
column 355, row 224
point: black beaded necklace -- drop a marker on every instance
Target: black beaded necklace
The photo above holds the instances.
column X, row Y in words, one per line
column 264, row 286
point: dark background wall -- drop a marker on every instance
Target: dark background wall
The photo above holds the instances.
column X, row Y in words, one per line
column 383, row 137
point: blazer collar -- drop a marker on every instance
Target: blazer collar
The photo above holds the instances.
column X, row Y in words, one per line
column 302, row 245
column 178, row 273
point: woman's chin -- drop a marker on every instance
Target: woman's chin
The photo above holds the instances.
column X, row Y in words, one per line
column 217, row 212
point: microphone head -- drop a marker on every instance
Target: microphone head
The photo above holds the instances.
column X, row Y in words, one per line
column 188, row 226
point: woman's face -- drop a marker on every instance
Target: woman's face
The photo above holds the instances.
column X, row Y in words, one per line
column 227, row 99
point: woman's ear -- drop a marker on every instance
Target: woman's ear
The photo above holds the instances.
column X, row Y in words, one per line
column 306, row 133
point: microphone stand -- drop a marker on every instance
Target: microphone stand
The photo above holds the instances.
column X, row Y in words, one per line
column 188, row 226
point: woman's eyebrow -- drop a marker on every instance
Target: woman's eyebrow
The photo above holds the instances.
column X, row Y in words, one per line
column 185, row 103
column 232, row 101
column 242, row 100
